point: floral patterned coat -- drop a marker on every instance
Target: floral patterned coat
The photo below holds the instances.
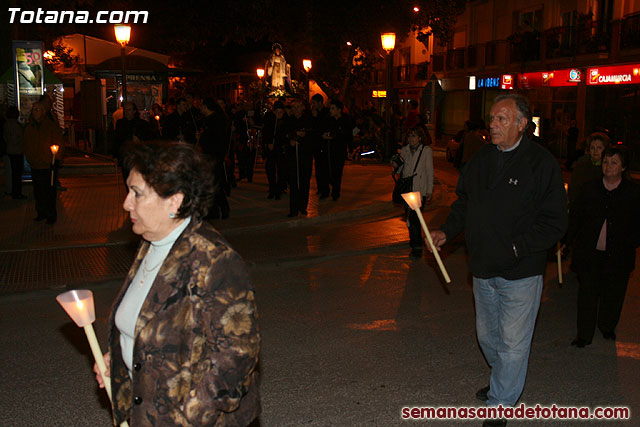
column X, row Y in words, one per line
column 196, row 339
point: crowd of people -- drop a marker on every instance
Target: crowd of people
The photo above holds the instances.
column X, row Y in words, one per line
column 511, row 205
column 293, row 139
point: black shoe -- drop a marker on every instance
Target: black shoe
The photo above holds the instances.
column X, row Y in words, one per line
column 19, row 197
column 482, row 394
column 52, row 220
column 609, row 336
column 303, row 213
column 335, row 198
column 580, row 343
column 270, row 196
column 416, row 253
column 324, row 196
column 39, row 218
column 494, row 423
column 291, row 215
column 277, row 197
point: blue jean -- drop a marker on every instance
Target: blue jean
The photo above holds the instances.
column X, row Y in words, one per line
column 506, row 312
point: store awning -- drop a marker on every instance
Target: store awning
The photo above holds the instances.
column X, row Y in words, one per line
column 136, row 64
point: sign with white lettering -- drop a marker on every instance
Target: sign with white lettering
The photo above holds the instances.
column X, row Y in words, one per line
column 621, row 74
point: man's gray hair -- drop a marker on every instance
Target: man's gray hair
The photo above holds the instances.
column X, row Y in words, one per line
column 522, row 104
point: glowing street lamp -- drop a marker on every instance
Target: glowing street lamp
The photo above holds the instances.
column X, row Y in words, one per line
column 79, row 306
column 414, row 200
column 388, row 41
column 123, row 35
column 306, row 64
column 260, row 72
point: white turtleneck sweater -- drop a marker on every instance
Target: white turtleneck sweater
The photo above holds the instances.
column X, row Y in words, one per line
column 129, row 308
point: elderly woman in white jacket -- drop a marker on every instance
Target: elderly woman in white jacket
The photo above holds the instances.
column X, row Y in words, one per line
column 418, row 162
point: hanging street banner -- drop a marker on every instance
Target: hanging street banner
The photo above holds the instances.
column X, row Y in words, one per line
column 28, row 66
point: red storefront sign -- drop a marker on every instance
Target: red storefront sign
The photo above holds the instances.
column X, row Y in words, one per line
column 507, row 81
column 620, row 74
column 555, row 78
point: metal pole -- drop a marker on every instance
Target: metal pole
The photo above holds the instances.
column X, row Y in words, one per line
column 124, row 74
column 387, row 108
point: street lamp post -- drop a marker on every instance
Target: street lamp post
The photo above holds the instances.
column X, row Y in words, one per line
column 306, row 65
column 123, row 35
column 388, row 44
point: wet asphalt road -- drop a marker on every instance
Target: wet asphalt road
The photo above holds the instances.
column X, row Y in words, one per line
column 352, row 330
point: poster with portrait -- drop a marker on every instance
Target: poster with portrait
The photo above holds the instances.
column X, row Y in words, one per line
column 29, row 74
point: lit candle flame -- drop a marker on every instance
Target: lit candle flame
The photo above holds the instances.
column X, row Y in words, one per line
column 80, row 305
column 157, row 117
column 54, row 149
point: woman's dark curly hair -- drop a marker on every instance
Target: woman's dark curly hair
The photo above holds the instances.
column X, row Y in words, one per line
column 174, row 167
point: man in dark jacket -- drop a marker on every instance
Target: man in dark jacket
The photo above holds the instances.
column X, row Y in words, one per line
column 130, row 129
column 338, row 135
column 274, row 141
column 513, row 207
column 214, row 143
column 181, row 125
column 317, row 119
column 299, row 159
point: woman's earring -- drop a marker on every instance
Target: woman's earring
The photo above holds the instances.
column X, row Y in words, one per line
column 172, row 215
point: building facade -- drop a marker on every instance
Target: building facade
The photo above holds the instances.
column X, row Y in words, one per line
column 574, row 59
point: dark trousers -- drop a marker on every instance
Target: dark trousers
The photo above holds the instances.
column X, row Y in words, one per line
column 415, row 228
column 246, row 161
column 322, row 167
column 600, row 297
column 17, row 164
column 220, row 206
column 299, row 195
column 273, row 167
column 44, row 193
column 336, row 165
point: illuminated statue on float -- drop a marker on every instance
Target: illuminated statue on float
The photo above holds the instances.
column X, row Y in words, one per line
column 278, row 71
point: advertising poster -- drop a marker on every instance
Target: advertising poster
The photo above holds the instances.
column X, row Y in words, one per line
column 29, row 74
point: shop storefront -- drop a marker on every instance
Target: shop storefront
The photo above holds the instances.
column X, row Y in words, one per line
column 554, row 97
column 484, row 90
column 613, row 105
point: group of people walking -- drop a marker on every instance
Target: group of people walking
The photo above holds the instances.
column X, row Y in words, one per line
column 294, row 142
column 291, row 139
column 512, row 206
column 34, row 141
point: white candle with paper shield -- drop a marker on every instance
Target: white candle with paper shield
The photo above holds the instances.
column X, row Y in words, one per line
column 54, row 150
column 414, row 200
column 79, row 306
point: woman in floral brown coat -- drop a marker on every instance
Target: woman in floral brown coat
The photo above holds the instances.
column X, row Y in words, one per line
column 184, row 338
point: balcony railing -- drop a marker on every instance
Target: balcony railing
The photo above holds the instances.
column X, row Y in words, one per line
column 524, row 46
column 587, row 37
column 630, row 32
column 455, row 59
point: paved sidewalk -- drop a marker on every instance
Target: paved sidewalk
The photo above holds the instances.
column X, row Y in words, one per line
column 92, row 241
